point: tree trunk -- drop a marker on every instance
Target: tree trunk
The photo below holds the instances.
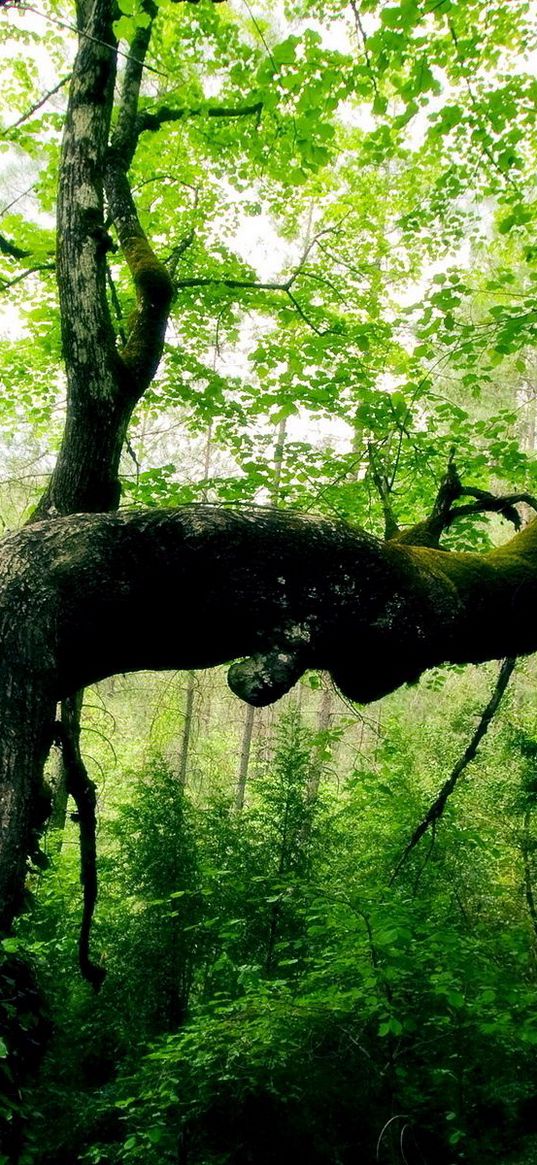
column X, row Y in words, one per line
column 187, row 728
column 27, row 710
column 244, row 762
column 323, row 727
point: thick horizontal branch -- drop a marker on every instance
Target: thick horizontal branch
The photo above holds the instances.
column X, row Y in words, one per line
column 200, row 586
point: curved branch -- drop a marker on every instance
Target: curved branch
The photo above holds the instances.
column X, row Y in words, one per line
column 87, row 596
column 444, row 513
column 488, row 503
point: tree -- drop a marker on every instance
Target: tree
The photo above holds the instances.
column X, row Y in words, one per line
column 87, row 591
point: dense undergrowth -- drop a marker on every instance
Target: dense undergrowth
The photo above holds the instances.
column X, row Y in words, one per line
column 271, row 996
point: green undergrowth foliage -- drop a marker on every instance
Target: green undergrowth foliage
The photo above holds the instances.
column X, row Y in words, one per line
column 270, row 996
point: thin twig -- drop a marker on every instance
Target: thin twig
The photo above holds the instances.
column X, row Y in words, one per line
column 362, row 35
column 528, row 885
column 259, row 32
column 17, row 198
column 399, row 1116
column 38, row 105
column 302, row 314
column 7, row 283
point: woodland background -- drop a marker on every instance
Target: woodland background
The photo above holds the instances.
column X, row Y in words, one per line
column 346, row 200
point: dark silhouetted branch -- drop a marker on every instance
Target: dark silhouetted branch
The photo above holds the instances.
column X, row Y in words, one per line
column 437, row 808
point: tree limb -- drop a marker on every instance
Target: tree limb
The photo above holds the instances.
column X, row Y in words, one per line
column 280, row 592
column 152, row 120
column 239, row 284
column 437, row 808
column 444, row 513
column 277, row 592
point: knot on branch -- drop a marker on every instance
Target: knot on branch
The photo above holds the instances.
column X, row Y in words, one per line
column 264, row 678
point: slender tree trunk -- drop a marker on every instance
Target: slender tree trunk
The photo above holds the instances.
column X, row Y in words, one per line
column 323, row 726
column 244, row 761
column 279, row 451
column 191, row 682
column 528, row 880
column 187, row 728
